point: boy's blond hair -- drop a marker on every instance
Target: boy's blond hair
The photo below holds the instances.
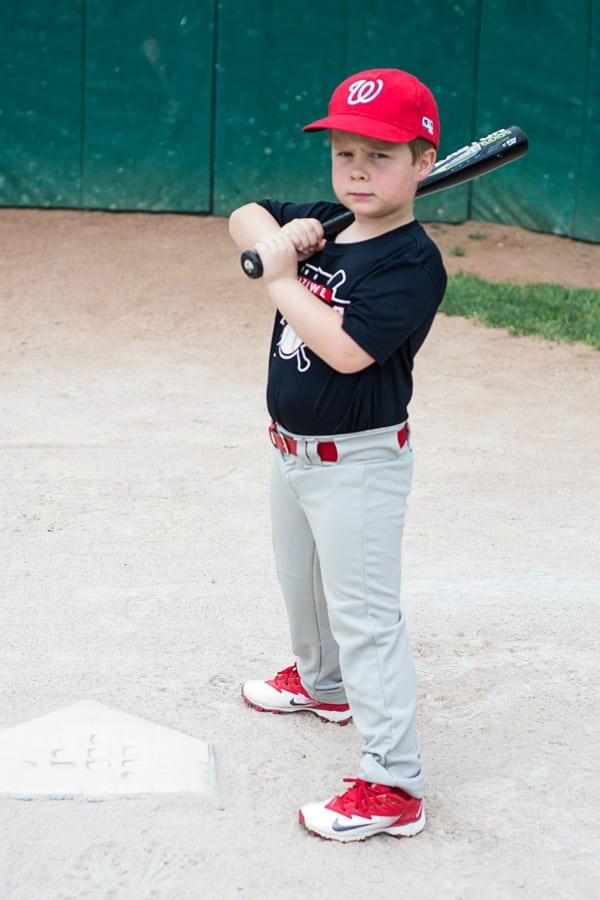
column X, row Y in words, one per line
column 418, row 146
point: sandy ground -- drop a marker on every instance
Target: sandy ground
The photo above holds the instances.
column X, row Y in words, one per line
column 137, row 571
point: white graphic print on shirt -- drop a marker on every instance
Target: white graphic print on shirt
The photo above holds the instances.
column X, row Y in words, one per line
column 323, row 285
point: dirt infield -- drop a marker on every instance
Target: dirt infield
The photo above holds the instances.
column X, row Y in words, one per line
column 137, row 571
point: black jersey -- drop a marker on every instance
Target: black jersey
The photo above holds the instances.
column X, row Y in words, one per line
column 387, row 289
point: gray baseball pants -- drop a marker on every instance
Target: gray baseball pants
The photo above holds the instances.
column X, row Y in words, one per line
column 337, row 532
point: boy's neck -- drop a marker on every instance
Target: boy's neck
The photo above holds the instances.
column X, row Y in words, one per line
column 364, row 228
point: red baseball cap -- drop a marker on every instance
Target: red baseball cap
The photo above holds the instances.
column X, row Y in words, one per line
column 384, row 104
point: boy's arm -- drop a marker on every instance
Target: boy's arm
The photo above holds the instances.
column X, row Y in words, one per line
column 250, row 223
column 319, row 326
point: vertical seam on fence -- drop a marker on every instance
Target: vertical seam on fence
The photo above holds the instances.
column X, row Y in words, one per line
column 584, row 116
column 213, row 110
column 82, row 102
column 476, row 59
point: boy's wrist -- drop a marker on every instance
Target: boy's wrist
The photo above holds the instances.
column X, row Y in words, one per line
column 280, row 282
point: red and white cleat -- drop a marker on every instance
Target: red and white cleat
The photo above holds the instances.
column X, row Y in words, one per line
column 285, row 693
column 364, row 810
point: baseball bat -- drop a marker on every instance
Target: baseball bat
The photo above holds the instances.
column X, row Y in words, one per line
column 475, row 159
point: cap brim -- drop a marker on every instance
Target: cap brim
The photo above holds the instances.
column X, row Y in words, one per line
column 379, row 131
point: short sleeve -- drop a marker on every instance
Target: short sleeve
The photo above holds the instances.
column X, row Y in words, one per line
column 284, row 212
column 391, row 305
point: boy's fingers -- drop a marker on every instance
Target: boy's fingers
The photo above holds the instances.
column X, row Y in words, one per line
column 306, row 234
column 278, row 255
column 310, row 251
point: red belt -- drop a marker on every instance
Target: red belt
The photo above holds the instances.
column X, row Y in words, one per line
column 327, row 450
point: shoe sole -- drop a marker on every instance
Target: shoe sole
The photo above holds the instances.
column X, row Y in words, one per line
column 285, row 712
column 400, row 831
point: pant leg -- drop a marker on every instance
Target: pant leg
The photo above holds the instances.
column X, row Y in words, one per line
column 356, row 513
column 299, row 575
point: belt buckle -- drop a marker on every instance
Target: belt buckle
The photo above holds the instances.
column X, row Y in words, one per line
column 278, row 440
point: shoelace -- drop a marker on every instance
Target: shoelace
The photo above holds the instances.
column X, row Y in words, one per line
column 361, row 797
column 288, row 679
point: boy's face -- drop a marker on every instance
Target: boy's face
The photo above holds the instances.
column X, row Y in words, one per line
column 375, row 179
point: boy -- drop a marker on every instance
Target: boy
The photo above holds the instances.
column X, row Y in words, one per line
column 351, row 313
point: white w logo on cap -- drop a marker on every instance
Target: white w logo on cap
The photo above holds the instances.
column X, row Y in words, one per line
column 364, row 91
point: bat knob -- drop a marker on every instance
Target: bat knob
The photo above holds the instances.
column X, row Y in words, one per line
column 251, row 264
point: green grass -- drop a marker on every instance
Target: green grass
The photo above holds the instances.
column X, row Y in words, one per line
column 548, row 310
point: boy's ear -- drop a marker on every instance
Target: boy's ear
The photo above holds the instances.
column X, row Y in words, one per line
column 425, row 163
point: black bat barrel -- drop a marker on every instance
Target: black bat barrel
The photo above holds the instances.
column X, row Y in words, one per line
column 478, row 158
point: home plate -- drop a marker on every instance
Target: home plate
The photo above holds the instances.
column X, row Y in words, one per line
column 89, row 751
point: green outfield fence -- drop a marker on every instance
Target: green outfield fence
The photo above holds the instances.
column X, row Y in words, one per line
column 197, row 105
